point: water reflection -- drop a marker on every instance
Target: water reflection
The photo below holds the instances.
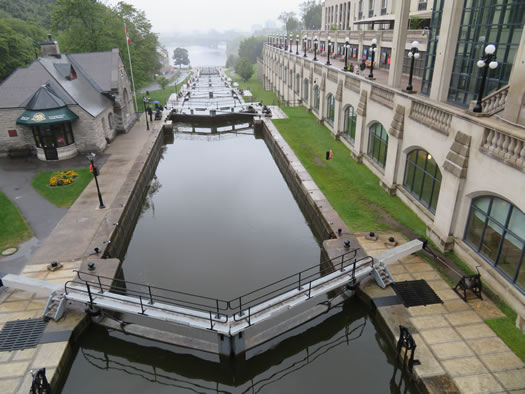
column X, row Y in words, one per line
column 343, row 353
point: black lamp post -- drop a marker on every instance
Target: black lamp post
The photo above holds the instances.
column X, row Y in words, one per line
column 145, row 100
column 291, row 42
column 328, row 51
column 94, row 170
column 305, row 39
column 285, row 42
column 373, row 49
column 315, row 48
column 297, row 44
column 347, row 46
column 413, row 54
column 488, row 60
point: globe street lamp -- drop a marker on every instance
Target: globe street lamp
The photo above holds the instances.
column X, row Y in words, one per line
column 315, row 48
column 297, row 44
column 305, row 39
column 413, row 54
column 145, row 100
column 488, row 60
column 329, row 46
column 94, row 170
column 291, row 42
column 373, row 49
column 347, row 46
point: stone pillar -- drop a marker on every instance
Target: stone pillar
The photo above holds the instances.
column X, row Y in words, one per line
column 401, row 11
column 446, row 49
column 338, row 108
column 515, row 106
column 455, row 171
column 395, row 133
column 360, row 127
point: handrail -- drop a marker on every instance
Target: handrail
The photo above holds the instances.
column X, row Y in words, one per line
column 217, row 309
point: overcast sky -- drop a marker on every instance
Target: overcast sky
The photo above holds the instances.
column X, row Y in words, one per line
column 188, row 15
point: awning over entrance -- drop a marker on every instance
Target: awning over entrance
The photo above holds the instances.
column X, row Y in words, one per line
column 48, row 116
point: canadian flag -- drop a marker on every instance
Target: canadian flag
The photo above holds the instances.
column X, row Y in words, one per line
column 127, row 34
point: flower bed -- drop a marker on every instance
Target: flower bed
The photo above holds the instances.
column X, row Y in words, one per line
column 63, row 178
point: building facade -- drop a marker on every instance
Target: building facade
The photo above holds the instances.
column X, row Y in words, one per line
column 461, row 172
column 65, row 104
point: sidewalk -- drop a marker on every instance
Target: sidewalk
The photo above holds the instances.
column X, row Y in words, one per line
column 452, row 338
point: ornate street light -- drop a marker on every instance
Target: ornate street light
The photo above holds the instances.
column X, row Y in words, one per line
column 305, row 39
column 291, row 42
column 94, row 170
column 145, row 100
column 297, row 44
column 413, row 54
column 373, row 49
column 329, row 48
column 315, row 48
column 488, row 60
column 347, row 46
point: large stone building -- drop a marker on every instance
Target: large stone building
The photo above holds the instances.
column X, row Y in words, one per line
column 63, row 104
column 463, row 173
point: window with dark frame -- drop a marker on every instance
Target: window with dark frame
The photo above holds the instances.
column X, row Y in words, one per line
column 350, row 122
column 378, row 144
column 422, row 178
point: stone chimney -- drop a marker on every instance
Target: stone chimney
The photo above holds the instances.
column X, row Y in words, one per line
column 49, row 47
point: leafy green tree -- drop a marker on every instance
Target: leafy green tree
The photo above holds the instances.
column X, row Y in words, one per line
column 32, row 11
column 180, row 56
column 231, row 61
column 19, row 44
column 251, row 48
column 163, row 81
column 244, row 68
column 311, row 14
column 291, row 22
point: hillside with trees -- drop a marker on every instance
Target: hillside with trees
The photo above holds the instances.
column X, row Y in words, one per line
column 78, row 26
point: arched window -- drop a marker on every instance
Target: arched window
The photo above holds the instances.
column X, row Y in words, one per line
column 290, row 81
column 496, row 230
column 377, row 143
column 330, row 108
column 423, row 178
column 350, row 118
column 317, row 97
column 125, row 98
column 305, row 91
column 297, row 83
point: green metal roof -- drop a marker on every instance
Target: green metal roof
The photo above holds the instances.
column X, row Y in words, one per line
column 48, row 116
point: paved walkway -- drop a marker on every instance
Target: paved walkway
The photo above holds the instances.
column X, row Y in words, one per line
column 68, row 244
column 452, row 338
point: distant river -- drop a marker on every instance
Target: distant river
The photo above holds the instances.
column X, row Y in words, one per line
column 201, row 55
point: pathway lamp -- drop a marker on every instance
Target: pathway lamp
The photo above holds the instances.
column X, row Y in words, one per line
column 488, row 60
column 328, row 51
column 413, row 54
column 305, row 39
column 145, row 100
column 297, row 44
column 347, row 47
column 290, row 42
column 94, row 170
column 285, row 42
column 373, row 49
column 315, row 48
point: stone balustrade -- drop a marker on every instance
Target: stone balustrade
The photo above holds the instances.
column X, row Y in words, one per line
column 431, row 116
column 352, row 84
column 504, row 147
column 332, row 75
column 494, row 102
column 383, row 96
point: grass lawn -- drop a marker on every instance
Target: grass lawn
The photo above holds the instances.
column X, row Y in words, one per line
column 61, row 196
column 14, row 227
column 255, row 87
column 161, row 95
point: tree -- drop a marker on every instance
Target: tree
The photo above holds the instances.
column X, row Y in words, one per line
column 163, row 81
column 231, row 61
column 291, row 22
column 251, row 48
column 311, row 14
column 244, row 68
column 180, row 55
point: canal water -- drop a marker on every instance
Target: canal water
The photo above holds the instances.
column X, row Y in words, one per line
column 202, row 55
column 219, row 221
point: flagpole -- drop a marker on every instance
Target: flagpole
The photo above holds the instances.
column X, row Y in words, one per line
column 131, row 69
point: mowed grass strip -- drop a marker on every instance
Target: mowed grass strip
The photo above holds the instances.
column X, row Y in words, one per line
column 352, row 189
column 61, row 196
column 13, row 227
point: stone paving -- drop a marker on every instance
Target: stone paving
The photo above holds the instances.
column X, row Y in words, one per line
column 68, row 244
column 452, row 338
